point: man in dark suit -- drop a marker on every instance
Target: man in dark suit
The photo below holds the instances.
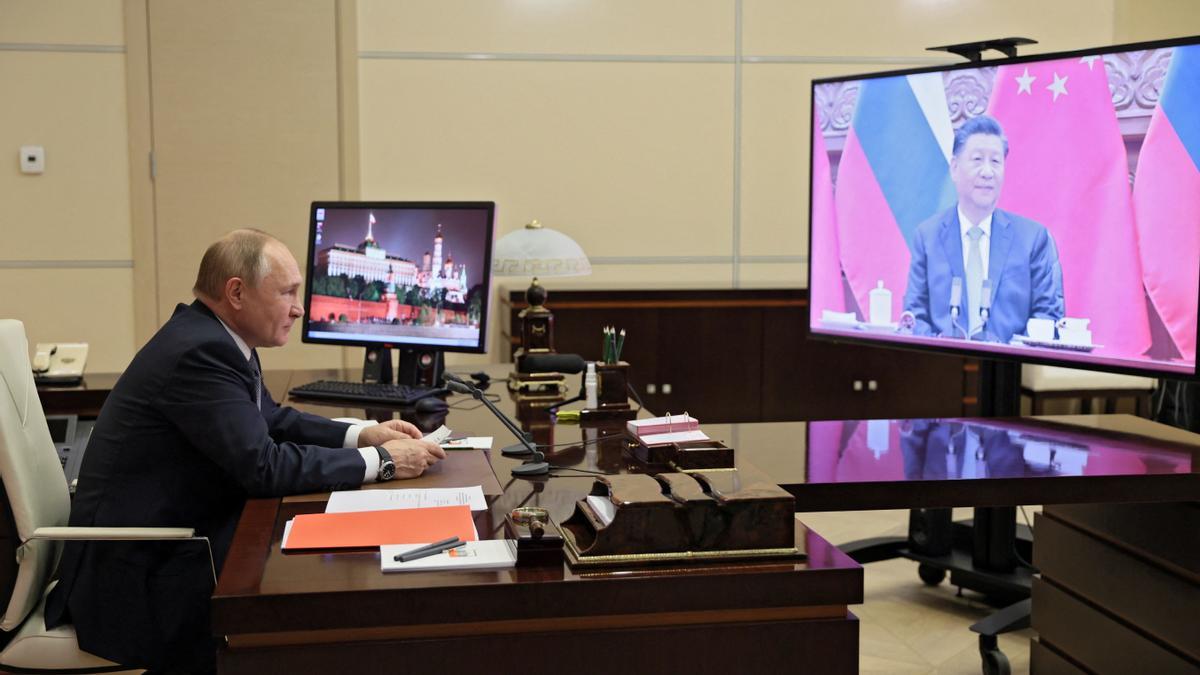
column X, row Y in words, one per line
column 973, row 242
column 186, row 436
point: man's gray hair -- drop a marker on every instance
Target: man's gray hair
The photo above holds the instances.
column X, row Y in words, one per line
column 238, row 254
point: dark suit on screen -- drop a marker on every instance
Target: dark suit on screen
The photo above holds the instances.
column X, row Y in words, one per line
column 181, row 442
column 1023, row 268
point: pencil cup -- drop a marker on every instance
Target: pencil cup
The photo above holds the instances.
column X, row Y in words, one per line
column 614, row 384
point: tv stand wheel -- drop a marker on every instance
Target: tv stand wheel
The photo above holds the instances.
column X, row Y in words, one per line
column 931, row 575
column 994, row 661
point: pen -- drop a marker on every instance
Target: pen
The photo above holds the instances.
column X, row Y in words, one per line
column 434, row 545
column 417, row 554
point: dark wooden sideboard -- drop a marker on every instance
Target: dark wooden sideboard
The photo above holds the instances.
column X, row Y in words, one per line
column 745, row 356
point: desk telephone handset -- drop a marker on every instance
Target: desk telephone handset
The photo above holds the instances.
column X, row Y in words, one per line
column 59, row 363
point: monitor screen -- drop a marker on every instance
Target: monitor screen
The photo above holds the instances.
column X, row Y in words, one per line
column 1042, row 208
column 399, row 274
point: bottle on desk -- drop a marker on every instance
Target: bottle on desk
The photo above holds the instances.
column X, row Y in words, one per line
column 880, row 305
column 590, row 387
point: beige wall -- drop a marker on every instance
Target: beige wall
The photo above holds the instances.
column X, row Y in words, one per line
column 66, row 265
column 668, row 137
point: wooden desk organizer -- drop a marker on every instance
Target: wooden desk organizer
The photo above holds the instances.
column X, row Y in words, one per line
column 686, row 456
column 680, row 516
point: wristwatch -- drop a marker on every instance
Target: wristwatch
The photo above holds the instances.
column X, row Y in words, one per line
column 387, row 468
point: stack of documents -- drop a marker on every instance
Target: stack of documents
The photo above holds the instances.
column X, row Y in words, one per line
column 668, row 429
column 368, row 529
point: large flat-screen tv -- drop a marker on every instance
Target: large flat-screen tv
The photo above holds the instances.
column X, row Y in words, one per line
column 1042, row 208
column 412, row 275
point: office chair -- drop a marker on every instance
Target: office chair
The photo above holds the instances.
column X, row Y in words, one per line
column 38, row 504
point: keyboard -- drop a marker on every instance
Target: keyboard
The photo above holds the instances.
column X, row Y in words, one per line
column 366, row 392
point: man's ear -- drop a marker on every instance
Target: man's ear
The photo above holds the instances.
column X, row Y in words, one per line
column 235, row 292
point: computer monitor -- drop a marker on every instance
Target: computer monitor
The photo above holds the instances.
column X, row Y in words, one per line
column 409, row 275
column 1042, row 208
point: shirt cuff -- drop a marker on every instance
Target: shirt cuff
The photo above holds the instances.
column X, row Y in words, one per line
column 371, row 459
column 352, row 432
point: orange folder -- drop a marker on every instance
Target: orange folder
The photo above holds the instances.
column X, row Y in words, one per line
column 369, row 529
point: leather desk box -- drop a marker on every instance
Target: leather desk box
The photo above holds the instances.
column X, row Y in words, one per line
column 680, row 516
column 686, row 455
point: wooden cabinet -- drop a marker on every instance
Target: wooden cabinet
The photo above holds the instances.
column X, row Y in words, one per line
column 746, row 356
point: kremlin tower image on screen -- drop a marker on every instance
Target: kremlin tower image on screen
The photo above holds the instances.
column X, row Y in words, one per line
column 369, row 292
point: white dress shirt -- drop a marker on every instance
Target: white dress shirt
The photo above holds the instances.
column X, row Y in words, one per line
column 985, row 241
column 369, row 454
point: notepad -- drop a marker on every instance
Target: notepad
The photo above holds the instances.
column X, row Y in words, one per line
column 676, row 437
column 369, row 529
column 475, row 555
column 662, row 425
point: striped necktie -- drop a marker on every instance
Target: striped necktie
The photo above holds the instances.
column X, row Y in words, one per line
column 974, row 275
column 256, row 369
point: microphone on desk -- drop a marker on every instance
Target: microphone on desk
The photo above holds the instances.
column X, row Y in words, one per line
column 985, row 304
column 536, row 465
column 553, row 363
column 956, row 285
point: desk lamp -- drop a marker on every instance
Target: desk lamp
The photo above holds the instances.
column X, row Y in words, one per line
column 537, row 251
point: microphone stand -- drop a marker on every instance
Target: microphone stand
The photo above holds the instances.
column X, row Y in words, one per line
column 537, row 464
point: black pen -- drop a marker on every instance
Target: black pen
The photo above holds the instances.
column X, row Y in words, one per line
column 434, row 545
column 417, row 554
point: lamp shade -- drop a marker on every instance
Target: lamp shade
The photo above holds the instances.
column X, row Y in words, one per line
column 538, row 251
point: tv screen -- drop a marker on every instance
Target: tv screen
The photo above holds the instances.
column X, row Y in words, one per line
column 399, row 274
column 1040, row 208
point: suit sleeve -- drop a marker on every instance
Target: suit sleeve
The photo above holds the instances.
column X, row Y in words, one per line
column 916, row 295
column 207, row 401
column 1045, row 282
column 288, row 424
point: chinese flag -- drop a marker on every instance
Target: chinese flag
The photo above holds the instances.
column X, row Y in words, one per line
column 1067, row 169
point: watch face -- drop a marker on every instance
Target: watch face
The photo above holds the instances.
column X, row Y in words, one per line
column 387, row 471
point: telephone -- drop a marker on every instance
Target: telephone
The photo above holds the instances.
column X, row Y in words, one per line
column 59, row 363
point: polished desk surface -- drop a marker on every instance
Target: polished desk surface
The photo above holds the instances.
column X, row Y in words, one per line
column 266, row 598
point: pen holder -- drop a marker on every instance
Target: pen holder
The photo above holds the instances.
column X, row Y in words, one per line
column 539, row 541
column 614, row 384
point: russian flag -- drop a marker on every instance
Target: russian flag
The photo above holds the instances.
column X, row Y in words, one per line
column 825, row 292
column 894, row 174
column 1166, row 201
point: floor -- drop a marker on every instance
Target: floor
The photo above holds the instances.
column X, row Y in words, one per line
column 906, row 626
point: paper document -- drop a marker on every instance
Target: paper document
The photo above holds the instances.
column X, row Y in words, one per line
column 476, row 555
column 677, row 437
column 662, row 425
column 603, row 508
column 410, row 498
column 438, row 436
column 375, row 528
column 468, row 443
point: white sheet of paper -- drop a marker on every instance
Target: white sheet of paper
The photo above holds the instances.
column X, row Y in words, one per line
column 411, row 498
column 677, row 437
column 438, row 435
column 603, row 508
column 469, row 443
column 482, row 554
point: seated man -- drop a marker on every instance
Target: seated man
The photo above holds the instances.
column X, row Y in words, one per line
column 974, row 241
column 186, row 436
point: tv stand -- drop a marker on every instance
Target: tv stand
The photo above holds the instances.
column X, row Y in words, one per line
column 418, row 367
column 979, row 554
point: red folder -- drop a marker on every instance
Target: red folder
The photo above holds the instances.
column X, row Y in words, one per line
column 370, row 529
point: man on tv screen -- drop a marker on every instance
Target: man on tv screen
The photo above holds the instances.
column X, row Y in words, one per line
column 974, row 256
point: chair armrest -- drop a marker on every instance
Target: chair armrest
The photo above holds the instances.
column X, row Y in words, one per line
column 111, row 533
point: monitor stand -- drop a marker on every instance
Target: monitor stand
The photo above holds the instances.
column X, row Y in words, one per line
column 418, row 367
column 980, row 554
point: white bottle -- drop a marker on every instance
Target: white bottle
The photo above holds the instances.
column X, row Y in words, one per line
column 881, row 306
column 590, row 386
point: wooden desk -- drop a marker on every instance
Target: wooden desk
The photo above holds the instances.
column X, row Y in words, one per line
column 338, row 612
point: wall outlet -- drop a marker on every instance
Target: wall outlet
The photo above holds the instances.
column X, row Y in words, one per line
column 33, row 159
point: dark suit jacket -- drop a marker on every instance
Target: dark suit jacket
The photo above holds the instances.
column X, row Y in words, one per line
column 181, row 443
column 1022, row 266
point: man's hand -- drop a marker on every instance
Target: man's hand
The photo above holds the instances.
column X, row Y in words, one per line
column 413, row 455
column 390, row 430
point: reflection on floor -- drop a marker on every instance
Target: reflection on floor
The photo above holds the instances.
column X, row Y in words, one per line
column 907, row 626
